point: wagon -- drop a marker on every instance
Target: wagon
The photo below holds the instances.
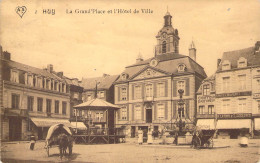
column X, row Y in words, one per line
column 52, row 136
column 203, row 138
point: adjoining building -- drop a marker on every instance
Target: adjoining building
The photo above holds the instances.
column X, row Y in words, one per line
column 147, row 91
column 237, row 92
column 33, row 99
column 206, row 117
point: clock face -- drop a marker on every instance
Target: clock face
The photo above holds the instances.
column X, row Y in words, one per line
column 153, row 62
column 164, row 35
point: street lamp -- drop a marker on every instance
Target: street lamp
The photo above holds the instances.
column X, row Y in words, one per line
column 181, row 110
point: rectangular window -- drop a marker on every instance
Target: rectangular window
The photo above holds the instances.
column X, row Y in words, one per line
column 39, row 104
column 30, row 103
column 258, row 106
column 242, row 82
column 57, row 107
column 124, row 113
column 241, row 105
column 206, row 89
column 149, row 90
column 123, row 94
column 161, row 111
column 21, row 77
column 211, row 109
column 48, row 106
column 225, row 106
column 64, row 108
column 47, row 84
column 15, row 101
column 201, row 109
column 76, row 95
column 181, row 85
column 138, row 112
column 14, row 76
column 137, row 92
column 30, row 80
column 226, row 84
column 99, row 116
column 39, row 82
column 161, row 89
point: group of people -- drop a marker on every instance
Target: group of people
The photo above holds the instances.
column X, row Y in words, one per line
column 141, row 136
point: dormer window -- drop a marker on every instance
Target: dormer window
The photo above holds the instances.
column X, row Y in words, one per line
column 226, row 65
column 242, row 62
column 181, row 68
column 124, row 76
column 14, row 76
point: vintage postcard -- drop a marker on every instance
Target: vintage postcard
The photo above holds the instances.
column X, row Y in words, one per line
column 130, row 81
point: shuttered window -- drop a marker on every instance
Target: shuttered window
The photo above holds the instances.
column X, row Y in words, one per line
column 161, row 89
column 39, row 104
column 138, row 112
column 161, row 111
column 15, row 101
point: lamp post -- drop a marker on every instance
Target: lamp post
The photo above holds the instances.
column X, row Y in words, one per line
column 181, row 110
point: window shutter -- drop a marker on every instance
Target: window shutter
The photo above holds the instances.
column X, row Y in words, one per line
column 166, row 110
column 133, row 112
column 174, row 88
column 187, row 87
column 133, row 92
column 118, row 93
column 174, row 109
column 142, row 110
column 119, row 113
column 166, row 89
column 143, row 91
column 127, row 109
column 187, row 108
column 154, row 90
column 155, row 111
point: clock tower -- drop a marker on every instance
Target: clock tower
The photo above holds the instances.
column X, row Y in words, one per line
column 167, row 38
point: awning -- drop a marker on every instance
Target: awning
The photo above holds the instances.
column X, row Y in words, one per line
column 80, row 125
column 234, row 124
column 208, row 124
column 47, row 122
column 257, row 123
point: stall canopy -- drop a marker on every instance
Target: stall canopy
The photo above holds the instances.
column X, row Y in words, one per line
column 257, row 123
column 47, row 122
column 96, row 104
column 234, row 124
column 78, row 125
column 206, row 124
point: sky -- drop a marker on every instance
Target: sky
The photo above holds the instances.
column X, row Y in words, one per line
column 90, row 44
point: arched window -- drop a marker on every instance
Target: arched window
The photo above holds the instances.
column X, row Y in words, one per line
column 164, row 47
column 175, row 47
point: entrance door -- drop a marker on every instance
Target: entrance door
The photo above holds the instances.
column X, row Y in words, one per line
column 40, row 133
column 15, row 128
column 149, row 116
column 132, row 131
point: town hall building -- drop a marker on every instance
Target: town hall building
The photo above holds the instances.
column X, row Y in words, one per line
column 147, row 91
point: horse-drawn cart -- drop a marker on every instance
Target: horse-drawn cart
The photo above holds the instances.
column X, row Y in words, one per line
column 203, row 138
column 60, row 136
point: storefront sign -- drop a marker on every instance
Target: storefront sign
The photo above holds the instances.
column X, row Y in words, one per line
column 234, row 94
column 234, row 116
column 205, row 99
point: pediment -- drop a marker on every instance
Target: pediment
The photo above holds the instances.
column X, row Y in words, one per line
column 149, row 73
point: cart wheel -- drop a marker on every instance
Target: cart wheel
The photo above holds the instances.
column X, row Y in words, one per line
column 48, row 151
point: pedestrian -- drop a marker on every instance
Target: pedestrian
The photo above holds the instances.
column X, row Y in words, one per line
column 32, row 142
column 150, row 138
column 140, row 136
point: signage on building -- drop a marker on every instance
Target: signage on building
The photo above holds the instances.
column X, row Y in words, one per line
column 205, row 99
column 234, row 116
column 257, row 95
column 248, row 93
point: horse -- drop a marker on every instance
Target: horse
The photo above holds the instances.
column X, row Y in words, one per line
column 64, row 142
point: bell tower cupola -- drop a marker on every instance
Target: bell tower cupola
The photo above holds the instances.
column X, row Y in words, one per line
column 167, row 38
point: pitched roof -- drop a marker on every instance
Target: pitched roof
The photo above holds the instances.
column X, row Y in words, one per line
column 253, row 59
column 167, row 63
column 97, row 104
column 27, row 68
column 105, row 82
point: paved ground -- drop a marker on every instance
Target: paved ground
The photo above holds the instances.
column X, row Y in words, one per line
column 225, row 151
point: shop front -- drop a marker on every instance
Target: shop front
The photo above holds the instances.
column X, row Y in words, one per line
column 233, row 126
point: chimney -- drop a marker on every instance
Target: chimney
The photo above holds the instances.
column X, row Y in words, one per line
column 139, row 58
column 192, row 51
column 6, row 55
column 60, row 74
column 218, row 62
column 50, row 67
